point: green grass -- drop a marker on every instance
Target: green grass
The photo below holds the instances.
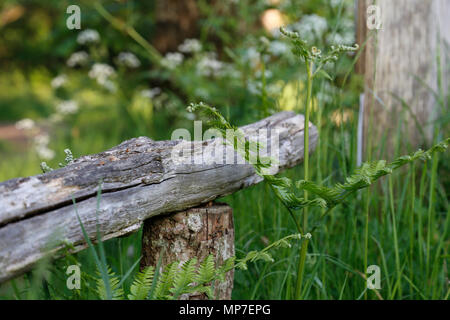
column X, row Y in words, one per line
column 408, row 239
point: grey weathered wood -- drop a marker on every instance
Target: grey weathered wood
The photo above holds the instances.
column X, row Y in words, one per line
column 396, row 60
column 140, row 180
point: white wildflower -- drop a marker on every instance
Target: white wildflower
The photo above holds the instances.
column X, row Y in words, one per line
column 346, row 38
column 150, row 93
column 190, row 46
column 67, row 107
column 278, row 48
column 129, row 60
column 25, row 124
column 45, row 153
column 208, row 65
column 88, row 36
column 230, row 71
column 41, row 142
column 311, row 26
column 59, row 81
column 42, row 139
column 267, row 74
column 252, row 56
column 172, row 59
column 108, row 85
column 254, row 87
column 102, row 73
column 77, row 59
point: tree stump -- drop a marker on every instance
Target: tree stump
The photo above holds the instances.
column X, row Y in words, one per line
column 196, row 232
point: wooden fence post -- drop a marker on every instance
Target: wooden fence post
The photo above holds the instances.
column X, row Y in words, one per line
column 196, row 232
column 400, row 68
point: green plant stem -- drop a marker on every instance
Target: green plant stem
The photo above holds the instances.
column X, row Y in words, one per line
column 301, row 268
column 411, row 224
column 304, row 246
column 366, row 234
column 153, row 54
column 395, row 238
column 306, row 138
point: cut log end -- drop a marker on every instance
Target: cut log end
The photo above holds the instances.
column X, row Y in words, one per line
column 197, row 232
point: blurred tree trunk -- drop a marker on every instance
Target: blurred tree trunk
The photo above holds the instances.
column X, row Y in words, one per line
column 176, row 20
column 400, row 60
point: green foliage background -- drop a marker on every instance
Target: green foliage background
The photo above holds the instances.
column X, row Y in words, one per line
column 408, row 212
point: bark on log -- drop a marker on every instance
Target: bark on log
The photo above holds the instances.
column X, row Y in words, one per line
column 140, row 181
column 196, row 232
column 398, row 60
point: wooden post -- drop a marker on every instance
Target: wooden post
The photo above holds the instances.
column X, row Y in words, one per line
column 196, row 232
column 400, row 61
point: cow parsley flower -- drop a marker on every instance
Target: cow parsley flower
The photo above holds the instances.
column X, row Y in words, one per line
column 278, row 48
column 345, row 38
column 208, row 65
column 58, row 81
column 79, row 58
column 190, row 46
column 129, row 60
column 102, row 73
column 25, row 124
column 41, row 142
column 252, row 56
column 67, row 107
column 45, row 153
column 171, row 60
column 88, row 36
column 310, row 27
column 150, row 93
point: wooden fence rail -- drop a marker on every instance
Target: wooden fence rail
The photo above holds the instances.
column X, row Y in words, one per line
column 139, row 180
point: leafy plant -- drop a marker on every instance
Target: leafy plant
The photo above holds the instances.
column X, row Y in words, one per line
column 177, row 278
column 287, row 190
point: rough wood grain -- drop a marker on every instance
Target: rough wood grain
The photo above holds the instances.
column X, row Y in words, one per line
column 196, row 232
column 140, row 180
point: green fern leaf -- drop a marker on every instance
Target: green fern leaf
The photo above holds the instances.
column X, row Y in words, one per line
column 117, row 292
column 206, row 271
column 183, row 278
column 165, row 281
column 142, row 283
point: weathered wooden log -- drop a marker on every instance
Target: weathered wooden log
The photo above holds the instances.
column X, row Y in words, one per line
column 196, row 232
column 140, row 179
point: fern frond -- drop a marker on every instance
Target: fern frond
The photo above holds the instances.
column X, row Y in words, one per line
column 225, row 267
column 184, row 277
column 284, row 190
column 365, row 175
column 117, row 292
column 165, row 281
column 205, row 271
column 254, row 256
column 142, row 283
